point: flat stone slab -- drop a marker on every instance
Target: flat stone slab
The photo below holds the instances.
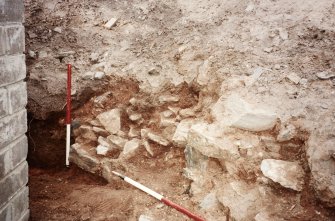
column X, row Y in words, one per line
column 288, row 174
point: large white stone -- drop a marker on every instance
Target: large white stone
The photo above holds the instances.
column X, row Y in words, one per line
column 288, row 174
column 131, row 146
column 104, row 142
column 210, row 201
column 167, row 98
column 111, row 23
column 145, row 218
column 320, row 155
column 204, row 138
column 244, row 116
column 102, row 150
column 243, row 200
column 110, row 120
column 286, row 133
column 118, row 141
column 158, row 139
column 84, row 159
column 181, row 133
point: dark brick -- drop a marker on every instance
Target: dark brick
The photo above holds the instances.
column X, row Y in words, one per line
column 13, row 182
column 17, row 207
column 11, row 10
column 3, row 102
column 12, row 39
column 12, row 69
column 12, row 127
column 20, row 204
column 17, row 96
column 15, row 154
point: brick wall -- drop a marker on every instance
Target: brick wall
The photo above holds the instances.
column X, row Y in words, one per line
column 13, row 115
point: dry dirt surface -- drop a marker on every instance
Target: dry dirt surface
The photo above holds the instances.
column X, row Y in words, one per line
column 237, row 96
column 71, row 194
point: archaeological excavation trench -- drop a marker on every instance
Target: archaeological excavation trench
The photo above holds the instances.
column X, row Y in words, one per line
column 224, row 107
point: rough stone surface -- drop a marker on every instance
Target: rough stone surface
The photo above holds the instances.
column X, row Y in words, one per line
column 83, row 159
column 287, row 174
column 181, row 133
column 242, row 199
column 99, row 75
column 286, row 133
column 145, row 218
column 118, row 141
column 202, row 138
column 251, row 119
column 104, row 141
column 243, row 116
column 111, row 23
column 168, row 98
column 209, row 201
column 325, row 75
column 135, row 117
column 148, row 147
column 322, row 164
column 102, row 150
column 158, row 139
column 130, row 147
column 87, row 133
column 111, row 120
column 101, row 132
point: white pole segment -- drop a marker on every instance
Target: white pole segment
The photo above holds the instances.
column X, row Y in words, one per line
column 144, row 188
column 68, row 133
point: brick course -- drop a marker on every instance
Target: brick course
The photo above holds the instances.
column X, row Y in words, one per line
column 13, row 115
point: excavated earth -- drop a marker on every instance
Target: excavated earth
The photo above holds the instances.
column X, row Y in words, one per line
column 225, row 107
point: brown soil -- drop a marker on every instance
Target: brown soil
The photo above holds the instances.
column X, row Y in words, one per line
column 72, row 194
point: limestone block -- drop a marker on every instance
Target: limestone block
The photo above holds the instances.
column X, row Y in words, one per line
column 15, row 154
column 11, row 11
column 12, row 39
column 111, row 120
column 17, row 96
column 13, row 182
column 12, row 127
column 12, row 69
column 287, row 174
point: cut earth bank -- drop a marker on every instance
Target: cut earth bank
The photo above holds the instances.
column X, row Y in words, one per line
column 246, row 89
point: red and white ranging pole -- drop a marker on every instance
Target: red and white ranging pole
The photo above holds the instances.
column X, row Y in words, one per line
column 68, row 114
column 159, row 197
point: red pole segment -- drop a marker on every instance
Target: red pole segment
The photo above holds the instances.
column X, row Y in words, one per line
column 68, row 115
column 159, row 197
column 68, row 98
column 182, row 210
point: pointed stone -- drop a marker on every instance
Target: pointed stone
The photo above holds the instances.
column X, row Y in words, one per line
column 110, row 120
column 158, row 139
column 181, row 133
column 288, row 174
column 130, row 147
column 102, row 150
column 117, row 141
